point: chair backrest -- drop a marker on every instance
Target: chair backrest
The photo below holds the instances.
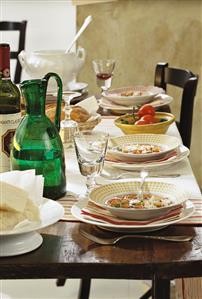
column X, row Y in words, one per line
column 21, row 27
column 186, row 80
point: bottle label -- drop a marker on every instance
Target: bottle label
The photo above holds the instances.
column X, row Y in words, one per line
column 8, row 125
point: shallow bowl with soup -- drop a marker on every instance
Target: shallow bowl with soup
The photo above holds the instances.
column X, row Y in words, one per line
column 172, row 198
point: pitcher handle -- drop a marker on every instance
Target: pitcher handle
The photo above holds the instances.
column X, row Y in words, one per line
column 59, row 97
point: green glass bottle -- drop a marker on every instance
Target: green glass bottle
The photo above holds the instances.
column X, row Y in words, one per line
column 37, row 143
column 10, row 115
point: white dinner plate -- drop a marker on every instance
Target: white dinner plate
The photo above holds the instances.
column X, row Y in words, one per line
column 182, row 153
column 76, row 212
column 25, row 238
column 158, row 101
column 166, row 144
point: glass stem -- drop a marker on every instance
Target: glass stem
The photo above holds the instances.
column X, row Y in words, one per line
column 67, row 110
column 90, row 183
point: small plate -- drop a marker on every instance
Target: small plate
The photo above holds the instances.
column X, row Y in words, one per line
column 100, row 195
column 76, row 211
column 77, row 86
column 165, row 142
column 141, row 95
column 182, row 153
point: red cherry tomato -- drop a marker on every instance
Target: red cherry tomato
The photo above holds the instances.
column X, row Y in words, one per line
column 148, row 118
column 146, row 109
column 141, row 122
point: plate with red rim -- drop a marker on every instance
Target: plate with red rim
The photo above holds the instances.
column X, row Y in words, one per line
column 180, row 154
column 132, row 95
column 76, row 211
column 158, row 145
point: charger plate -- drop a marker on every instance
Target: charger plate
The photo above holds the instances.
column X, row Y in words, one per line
column 187, row 211
column 25, row 238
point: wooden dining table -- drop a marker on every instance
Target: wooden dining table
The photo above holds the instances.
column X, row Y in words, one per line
column 66, row 254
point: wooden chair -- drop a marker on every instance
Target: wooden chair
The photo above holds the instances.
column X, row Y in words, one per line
column 186, row 80
column 21, row 27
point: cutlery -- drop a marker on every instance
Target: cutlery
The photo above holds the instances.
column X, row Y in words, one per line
column 143, row 175
column 114, row 240
column 83, row 27
column 132, row 175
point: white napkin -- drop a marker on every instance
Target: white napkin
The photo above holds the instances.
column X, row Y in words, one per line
column 90, row 104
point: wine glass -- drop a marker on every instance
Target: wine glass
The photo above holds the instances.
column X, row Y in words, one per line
column 90, row 149
column 68, row 126
column 103, row 69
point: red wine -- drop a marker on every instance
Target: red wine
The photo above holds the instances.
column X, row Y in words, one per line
column 104, row 80
column 9, row 108
column 103, row 76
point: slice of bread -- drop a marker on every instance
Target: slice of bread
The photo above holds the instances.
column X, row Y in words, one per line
column 9, row 219
column 12, row 198
column 16, row 206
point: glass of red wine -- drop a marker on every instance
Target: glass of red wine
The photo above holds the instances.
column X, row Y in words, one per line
column 103, row 69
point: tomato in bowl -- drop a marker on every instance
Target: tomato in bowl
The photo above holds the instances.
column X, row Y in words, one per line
column 132, row 124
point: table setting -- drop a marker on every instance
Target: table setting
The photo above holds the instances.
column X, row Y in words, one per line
column 99, row 170
column 175, row 172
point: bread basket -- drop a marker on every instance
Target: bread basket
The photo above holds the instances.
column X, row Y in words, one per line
column 91, row 123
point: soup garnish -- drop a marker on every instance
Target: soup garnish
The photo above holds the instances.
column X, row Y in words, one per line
column 131, row 200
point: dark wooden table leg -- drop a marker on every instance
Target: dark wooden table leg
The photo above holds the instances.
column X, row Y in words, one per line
column 160, row 288
column 60, row 282
column 84, row 289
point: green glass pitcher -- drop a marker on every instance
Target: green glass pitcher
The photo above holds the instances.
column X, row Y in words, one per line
column 37, row 143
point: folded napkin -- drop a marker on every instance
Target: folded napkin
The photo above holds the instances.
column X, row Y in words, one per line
column 170, row 156
column 90, row 104
column 95, row 212
column 20, row 198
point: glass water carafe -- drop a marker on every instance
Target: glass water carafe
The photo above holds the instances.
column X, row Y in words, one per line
column 37, row 143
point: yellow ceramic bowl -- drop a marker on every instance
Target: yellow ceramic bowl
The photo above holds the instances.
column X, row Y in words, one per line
column 157, row 128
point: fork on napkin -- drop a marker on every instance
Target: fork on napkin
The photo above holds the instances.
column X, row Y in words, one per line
column 95, row 212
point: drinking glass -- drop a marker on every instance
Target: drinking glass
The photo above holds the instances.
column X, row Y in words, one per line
column 90, row 149
column 68, row 126
column 103, row 69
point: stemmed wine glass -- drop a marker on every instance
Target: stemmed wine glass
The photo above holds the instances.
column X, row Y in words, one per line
column 68, row 126
column 90, row 149
column 103, row 69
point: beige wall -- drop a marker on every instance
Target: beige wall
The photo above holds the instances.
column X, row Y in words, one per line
column 140, row 33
